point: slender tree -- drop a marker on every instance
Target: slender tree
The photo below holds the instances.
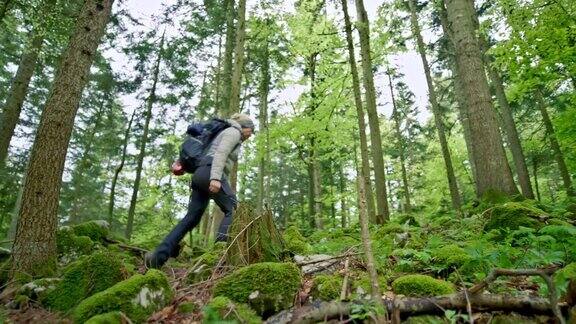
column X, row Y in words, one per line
column 34, row 248
column 383, row 213
column 492, row 169
column 438, row 120
column 228, row 58
column 264, row 89
column 238, row 59
column 144, row 140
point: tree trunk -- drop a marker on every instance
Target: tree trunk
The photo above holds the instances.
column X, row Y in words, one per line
column 463, row 113
column 343, row 205
column 364, row 151
column 118, row 170
column 551, row 134
column 402, row 148
column 383, row 213
column 493, row 171
column 506, row 113
column 263, row 116
column 438, row 120
column 228, row 56
column 238, row 59
column 34, row 248
column 332, row 196
column 535, row 172
column 19, row 87
column 143, row 141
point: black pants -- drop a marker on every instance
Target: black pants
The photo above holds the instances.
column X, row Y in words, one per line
column 199, row 199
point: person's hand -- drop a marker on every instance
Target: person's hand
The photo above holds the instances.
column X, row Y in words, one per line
column 215, row 186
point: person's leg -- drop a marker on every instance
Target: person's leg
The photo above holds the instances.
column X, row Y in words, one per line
column 226, row 200
column 168, row 248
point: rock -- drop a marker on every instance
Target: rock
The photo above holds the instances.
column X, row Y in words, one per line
column 295, row 242
column 71, row 246
column 83, row 278
column 314, row 264
column 96, row 230
column 222, row 308
column 109, row 318
column 276, row 284
column 421, row 286
column 327, row 287
column 38, row 289
column 137, row 297
column 512, row 215
column 450, row 255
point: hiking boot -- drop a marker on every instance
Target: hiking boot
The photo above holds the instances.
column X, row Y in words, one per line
column 154, row 261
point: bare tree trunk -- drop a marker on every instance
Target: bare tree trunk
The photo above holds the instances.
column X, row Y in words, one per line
column 364, row 151
column 558, row 155
column 402, row 148
column 119, row 169
column 438, row 120
column 34, row 248
column 263, row 116
column 228, row 57
column 493, row 171
column 143, row 141
column 238, row 59
column 343, row 205
column 535, row 172
column 383, row 213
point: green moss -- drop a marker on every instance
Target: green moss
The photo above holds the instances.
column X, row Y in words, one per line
column 83, row 278
column 514, row 319
column 97, row 231
column 389, row 228
column 421, row 286
column 295, row 242
column 451, row 255
column 187, row 307
column 361, row 285
column 565, row 278
column 70, row 246
column 222, row 308
column 38, row 288
column 106, row 318
column 276, row 284
column 512, row 215
column 327, row 287
column 425, row 319
column 137, row 297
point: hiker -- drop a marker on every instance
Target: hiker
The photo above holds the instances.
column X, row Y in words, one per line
column 210, row 181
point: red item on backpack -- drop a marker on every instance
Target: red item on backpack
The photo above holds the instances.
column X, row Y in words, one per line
column 177, row 168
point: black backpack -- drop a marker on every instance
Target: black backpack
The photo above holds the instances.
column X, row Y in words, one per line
column 198, row 138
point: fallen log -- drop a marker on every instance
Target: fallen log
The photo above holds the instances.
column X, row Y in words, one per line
column 419, row 306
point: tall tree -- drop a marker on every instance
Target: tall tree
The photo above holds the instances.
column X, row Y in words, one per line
column 238, row 59
column 364, row 151
column 438, row 120
column 492, row 169
column 19, row 87
column 144, row 140
column 228, row 58
column 34, row 248
column 363, row 26
column 264, row 154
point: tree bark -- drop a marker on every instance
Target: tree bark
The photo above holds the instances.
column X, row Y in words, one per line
column 343, row 205
column 383, row 213
column 364, row 151
column 493, row 171
column 143, row 141
column 438, row 120
column 228, row 56
column 551, row 134
column 34, row 248
column 263, row 116
column 402, row 148
column 535, row 172
column 119, row 169
column 238, row 59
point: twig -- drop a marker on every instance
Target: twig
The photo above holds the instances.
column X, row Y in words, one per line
column 468, row 304
column 345, row 282
column 345, row 255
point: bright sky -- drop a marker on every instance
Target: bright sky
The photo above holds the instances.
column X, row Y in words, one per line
column 408, row 63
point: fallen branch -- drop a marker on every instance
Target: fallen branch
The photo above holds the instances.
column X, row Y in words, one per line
column 345, row 255
column 126, row 246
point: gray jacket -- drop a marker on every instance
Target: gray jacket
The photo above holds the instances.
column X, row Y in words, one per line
column 224, row 150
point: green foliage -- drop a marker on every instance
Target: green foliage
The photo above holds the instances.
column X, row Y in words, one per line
column 276, row 284
column 327, row 287
column 421, row 286
column 222, row 308
column 564, row 277
column 83, row 278
column 295, row 242
column 106, row 318
column 137, row 297
column 187, row 307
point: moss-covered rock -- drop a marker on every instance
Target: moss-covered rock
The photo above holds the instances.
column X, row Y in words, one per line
column 267, row 286
column 295, row 242
column 327, row 287
column 425, row 319
column 107, row 318
column 512, row 215
column 204, row 264
column 421, row 286
column 39, row 288
column 361, row 285
column 137, row 297
column 71, row 246
column 83, row 278
column 451, row 255
column 222, row 308
column 97, row 231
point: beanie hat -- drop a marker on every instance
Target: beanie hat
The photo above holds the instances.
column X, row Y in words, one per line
column 244, row 120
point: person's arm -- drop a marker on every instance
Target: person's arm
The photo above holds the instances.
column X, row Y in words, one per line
column 230, row 138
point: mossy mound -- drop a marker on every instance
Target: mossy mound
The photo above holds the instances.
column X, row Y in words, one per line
column 387, row 229
column 267, row 286
column 512, row 215
column 137, row 297
column 222, row 308
column 187, row 307
column 107, row 318
column 70, row 246
column 421, row 286
column 39, row 288
column 204, row 264
column 83, row 278
column 361, row 285
column 450, row 255
column 295, row 242
column 327, row 287
column 97, row 231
